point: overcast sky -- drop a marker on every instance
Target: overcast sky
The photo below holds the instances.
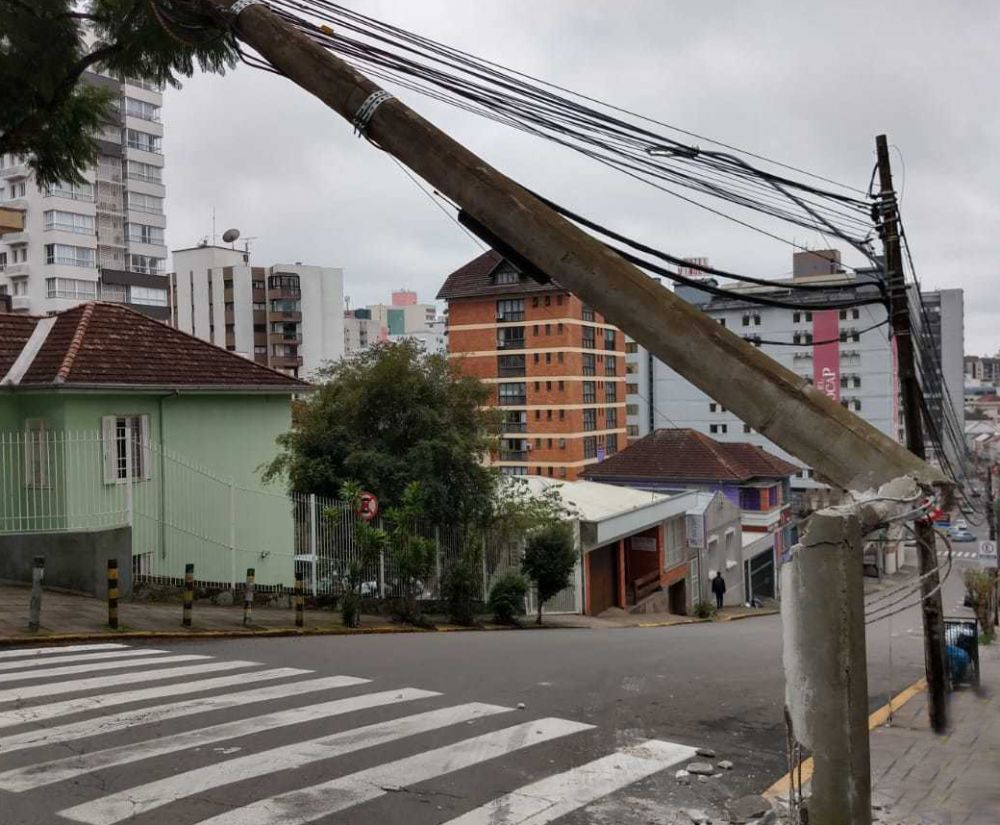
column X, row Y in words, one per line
column 809, row 83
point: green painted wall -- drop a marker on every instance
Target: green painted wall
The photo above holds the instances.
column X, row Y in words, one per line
column 396, row 321
column 204, row 463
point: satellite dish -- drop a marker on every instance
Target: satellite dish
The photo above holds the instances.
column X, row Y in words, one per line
column 230, row 235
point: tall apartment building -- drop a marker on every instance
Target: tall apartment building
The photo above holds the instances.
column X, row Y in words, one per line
column 556, row 365
column 856, row 368
column 404, row 315
column 361, row 331
column 102, row 239
column 985, row 369
column 287, row 316
column 941, row 339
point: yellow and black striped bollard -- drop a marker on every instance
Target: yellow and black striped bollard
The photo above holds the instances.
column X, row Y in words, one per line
column 299, row 604
column 113, row 594
column 188, row 594
column 248, row 598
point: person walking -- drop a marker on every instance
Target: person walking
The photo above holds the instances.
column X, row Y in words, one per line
column 718, row 588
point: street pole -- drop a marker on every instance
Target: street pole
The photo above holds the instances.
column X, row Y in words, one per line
column 774, row 401
column 933, row 612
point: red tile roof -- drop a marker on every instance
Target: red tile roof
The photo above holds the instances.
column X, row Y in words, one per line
column 474, row 280
column 688, row 455
column 110, row 344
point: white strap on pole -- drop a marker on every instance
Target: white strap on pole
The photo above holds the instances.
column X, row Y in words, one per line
column 237, row 8
column 365, row 111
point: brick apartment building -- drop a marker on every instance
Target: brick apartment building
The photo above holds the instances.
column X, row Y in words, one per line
column 557, row 366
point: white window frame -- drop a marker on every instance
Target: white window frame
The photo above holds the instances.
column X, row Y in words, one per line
column 115, row 429
column 36, row 453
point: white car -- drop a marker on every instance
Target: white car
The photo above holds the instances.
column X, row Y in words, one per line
column 961, row 524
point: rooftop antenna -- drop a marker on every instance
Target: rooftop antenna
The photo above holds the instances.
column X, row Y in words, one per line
column 213, row 226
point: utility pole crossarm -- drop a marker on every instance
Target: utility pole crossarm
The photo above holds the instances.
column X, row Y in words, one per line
column 782, row 406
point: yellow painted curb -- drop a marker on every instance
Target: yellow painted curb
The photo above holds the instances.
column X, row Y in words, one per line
column 877, row 718
column 748, row 615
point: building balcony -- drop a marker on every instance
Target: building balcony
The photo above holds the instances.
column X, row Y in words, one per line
column 515, row 426
column 285, row 361
column 513, row 455
column 511, row 372
column 282, row 338
column 20, row 303
column 513, row 401
column 291, row 293
column 15, row 171
column 11, row 220
column 16, row 270
column 510, row 343
column 283, row 315
column 16, row 237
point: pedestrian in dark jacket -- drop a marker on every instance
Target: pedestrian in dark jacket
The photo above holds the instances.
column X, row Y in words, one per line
column 718, row 588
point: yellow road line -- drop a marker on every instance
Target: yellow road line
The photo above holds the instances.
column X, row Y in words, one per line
column 781, row 787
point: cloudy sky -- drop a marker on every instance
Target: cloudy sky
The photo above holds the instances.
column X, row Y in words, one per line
column 809, row 83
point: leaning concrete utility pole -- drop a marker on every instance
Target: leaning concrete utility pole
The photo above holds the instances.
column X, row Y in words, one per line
column 845, row 450
column 933, row 611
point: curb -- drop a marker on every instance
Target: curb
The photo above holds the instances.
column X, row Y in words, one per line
column 739, row 617
column 875, row 719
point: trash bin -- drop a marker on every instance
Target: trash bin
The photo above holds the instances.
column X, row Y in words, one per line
column 961, row 638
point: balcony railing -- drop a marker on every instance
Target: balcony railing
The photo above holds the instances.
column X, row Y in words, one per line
column 513, row 455
column 588, row 343
column 512, row 400
column 511, row 315
column 511, row 372
column 510, row 343
column 515, row 426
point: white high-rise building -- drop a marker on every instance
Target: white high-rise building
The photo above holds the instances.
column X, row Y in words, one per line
column 102, row 239
column 846, row 353
column 287, row 316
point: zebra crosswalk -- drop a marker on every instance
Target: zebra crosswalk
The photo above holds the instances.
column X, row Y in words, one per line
column 79, row 747
column 958, row 554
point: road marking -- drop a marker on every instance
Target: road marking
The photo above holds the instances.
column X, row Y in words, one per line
column 58, row 770
column 48, row 651
column 188, row 707
column 138, row 800
column 107, row 682
column 30, row 664
column 72, row 670
column 309, row 804
column 553, row 797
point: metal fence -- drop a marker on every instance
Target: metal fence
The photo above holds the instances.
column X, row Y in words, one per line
column 182, row 513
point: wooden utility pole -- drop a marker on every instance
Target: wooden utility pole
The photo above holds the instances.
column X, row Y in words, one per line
column 843, row 448
column 934, row 648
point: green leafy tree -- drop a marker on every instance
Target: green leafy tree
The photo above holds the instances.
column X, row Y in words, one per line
column 50, row 110
column 369, row 542
column 549, row 559
column 412, row 553
column 981, row 586
column 391, row 416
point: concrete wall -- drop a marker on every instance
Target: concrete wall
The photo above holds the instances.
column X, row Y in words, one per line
column 75, row 560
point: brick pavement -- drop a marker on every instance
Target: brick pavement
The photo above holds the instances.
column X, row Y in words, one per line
column 923, row 779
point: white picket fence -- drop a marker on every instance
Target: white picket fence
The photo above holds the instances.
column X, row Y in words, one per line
column 182, row 513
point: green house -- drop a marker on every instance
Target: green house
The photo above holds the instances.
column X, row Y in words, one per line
column 111, row 418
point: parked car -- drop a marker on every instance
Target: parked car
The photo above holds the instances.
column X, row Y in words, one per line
column 961, row 535
column 961, row 524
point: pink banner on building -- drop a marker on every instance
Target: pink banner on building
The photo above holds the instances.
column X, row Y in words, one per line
column 826, row 356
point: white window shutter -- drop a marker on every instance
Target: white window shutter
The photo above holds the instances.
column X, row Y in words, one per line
column 109, row 447
column 147, row 465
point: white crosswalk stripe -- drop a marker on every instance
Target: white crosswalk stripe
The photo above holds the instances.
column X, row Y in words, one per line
column 39, row 713
column 21, row 652
column 558, row 795
column 73, row 670
column 154, row 771
column 177, row 710
column 143, row 798
column 75, row 685
column 120, row 658
column 309, row 804
column 58, row 770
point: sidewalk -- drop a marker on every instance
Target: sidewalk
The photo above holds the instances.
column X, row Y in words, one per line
column 71, row 615
column 920, row 778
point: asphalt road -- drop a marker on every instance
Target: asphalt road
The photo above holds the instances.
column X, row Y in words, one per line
column 396, row 747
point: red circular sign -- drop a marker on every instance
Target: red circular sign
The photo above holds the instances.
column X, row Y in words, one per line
column 367, row 506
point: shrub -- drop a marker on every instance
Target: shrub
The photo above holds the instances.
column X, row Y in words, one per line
column 704, row 610
column 507, row 598
column 460, row 587
column 979, row 585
